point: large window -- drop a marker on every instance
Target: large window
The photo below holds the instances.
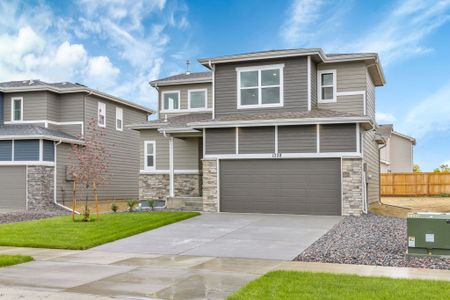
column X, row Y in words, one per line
column 17, row 109
column 260, row 86
column 150, row 155
column 119, row 118
column 171, row 100
column 326, row 86
column 101, row 114
column 197, row 99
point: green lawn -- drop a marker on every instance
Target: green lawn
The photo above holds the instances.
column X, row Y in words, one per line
column 307, row 285
column 62, row 233
column 9, row 260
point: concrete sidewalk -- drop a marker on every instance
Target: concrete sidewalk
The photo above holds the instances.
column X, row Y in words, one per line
column 65, row 274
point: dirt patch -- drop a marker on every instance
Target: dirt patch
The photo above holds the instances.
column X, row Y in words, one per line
column 103, row 205
column 420, row 204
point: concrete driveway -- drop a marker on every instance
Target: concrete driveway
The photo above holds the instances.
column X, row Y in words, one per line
column 279, row 237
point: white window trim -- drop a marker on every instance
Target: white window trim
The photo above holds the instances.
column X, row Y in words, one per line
column 319, row 86
column 13, row 99
column 206, row 99
column 162, row 101
column 259, row 87
column 146, row 167
column 104, row 114
column 119, row 116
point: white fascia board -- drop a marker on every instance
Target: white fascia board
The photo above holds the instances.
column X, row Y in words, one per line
column 411, row 139
column 179, row 130
column 278, row 122
column 178, row 82
column 286, row 155
column 27, row 163
column 37, row 137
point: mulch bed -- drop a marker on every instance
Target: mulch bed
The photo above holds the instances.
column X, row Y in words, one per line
column 369, row 240
column 13, row 217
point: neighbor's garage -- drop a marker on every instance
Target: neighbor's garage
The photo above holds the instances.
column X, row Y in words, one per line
column 289, row 186
column 12, row 188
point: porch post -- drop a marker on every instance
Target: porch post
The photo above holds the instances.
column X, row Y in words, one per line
column 171, row 172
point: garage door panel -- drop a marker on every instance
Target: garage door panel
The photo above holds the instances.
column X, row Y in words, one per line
column 292, row 186
column 12, row 187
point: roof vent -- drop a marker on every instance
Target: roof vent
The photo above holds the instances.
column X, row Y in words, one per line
column 31, row 82
column 188, row 62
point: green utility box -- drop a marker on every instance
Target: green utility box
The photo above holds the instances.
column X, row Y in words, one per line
column 429, row 234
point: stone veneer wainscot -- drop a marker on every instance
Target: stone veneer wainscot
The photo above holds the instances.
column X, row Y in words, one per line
column 352, row 193
column 40, row 187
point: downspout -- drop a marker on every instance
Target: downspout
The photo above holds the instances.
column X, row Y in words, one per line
column 55, row 180
column 158, row 100
column 1, row 109
column 213, row 96
column 379, row 171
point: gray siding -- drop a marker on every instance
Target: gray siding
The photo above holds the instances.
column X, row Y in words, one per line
column 220, row 141
column 53, row 107
column 49, row 150
column 295, row 86
column 290, row 186
column 371, row 157
column 2, row 107
column 313, row 84
column 183, row 89
column 185, row 153
column 338, row 138
column 297, row 139
column 26, row 150
column 256, row 140
column 34, row 105
column 350, row 77
column 13, row 188
column 5, row 150
column 64, row 187
column 371, row 103
column 123, row 147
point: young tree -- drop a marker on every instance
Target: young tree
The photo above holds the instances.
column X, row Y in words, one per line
column 416, row 168
column 444, row 168
column 90, row 163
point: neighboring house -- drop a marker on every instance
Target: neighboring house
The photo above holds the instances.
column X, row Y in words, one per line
column 38, row 123
column 284, row 131
column 398, row 153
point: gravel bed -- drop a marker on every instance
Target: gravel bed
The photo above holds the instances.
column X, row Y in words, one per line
column 369, row 240
column 13, row 217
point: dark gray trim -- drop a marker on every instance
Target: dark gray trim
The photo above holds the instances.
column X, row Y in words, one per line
column 5, row 150
column 49, row 150
column 26, row 150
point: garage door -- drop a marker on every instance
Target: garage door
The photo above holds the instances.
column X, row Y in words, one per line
column 12, row 188
column 286, row 186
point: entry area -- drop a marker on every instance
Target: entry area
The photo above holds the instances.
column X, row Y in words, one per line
column 12, row 188
column 281, row 186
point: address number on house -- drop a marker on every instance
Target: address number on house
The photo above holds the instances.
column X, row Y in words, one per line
column 276, row 155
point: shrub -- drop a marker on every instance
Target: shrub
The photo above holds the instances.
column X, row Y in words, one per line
column 114, row 207
column 151, row 204
column 132, row 204
column 86, row 214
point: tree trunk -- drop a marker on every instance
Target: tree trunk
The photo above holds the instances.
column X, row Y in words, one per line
column 94, row 186
column 74, row 200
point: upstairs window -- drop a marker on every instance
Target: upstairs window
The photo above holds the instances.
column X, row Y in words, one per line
column 197, row 99
column 119, row 118
column 260, row 86
column 171, row 100
column 101, row 114
column 327, row 86
column 17, row 109
column 150, row 151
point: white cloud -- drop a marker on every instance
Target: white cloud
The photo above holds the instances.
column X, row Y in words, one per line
column 101, row 73
column 385, row 117
column 429, row 116
column 302, row 14
column 401, row 32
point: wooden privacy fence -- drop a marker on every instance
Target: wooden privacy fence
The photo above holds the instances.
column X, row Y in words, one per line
column 415, row 184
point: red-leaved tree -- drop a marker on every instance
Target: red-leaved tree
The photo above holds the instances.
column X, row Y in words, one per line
column 89, row 166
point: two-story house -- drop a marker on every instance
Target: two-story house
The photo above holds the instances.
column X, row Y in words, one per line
column 397, row 155
column 284, row 131
column 40, row 121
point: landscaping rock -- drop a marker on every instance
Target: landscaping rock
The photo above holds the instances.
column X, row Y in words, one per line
column 369, row 240
column 13, row 217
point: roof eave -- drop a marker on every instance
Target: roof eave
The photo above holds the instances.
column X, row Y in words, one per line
column 41, row 136
column 176, row 82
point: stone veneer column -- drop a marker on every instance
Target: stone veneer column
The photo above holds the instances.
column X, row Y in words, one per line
column 210, row 193
column 187, row 185
column 352, row 187
column 40, row 187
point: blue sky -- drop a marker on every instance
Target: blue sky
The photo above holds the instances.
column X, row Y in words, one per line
column 119, row 45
